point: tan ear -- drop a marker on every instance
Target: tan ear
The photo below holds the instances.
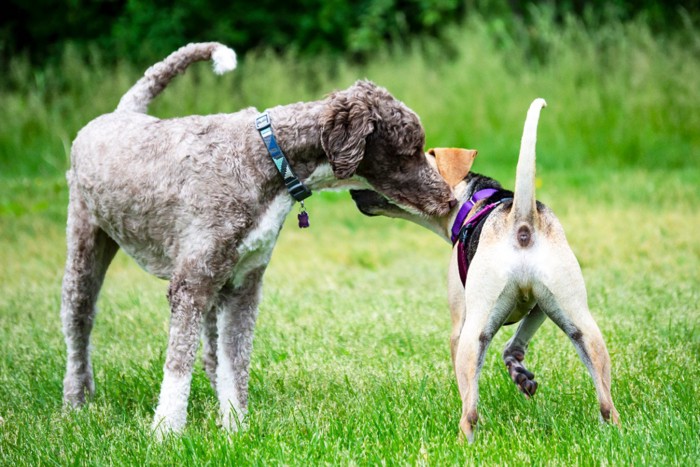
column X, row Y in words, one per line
column 453, row 163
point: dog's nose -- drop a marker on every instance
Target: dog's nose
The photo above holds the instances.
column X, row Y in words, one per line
column 453, row 203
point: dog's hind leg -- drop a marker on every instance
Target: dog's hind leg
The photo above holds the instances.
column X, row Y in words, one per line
column 514, row 353
column 562, row 296
column 89, row 254
column 236, row 316
column 488, row 305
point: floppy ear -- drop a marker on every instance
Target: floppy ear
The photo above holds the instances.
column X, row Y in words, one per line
column 346, row 124
column 453, row 163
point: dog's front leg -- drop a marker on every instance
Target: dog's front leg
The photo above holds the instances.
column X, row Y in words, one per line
column 455, row 299
column 189, row 295
column 514, row 353
column 236, row 315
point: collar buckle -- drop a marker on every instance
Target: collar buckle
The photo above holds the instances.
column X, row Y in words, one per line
column 262, row 121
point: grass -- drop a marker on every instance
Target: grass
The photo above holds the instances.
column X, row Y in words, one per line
column 351, row 363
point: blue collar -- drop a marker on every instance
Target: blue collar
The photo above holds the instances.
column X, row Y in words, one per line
column 295, row 187
column 466, row 207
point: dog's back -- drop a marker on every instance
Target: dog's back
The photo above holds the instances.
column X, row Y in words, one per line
column 127, row 166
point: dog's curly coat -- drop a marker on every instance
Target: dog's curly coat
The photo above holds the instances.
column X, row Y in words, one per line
column 197, row 200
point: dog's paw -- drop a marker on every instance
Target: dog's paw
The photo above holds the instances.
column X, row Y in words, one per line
column 521, row 376
column 77, row 389
column 233, row 422
column 162, row 429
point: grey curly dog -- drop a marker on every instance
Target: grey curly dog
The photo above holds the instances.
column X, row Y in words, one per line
column 198, row 201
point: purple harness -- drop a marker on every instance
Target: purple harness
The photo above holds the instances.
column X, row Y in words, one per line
column 462, row 226
column 466, row 207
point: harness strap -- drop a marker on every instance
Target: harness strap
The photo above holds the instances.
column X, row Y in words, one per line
column 462, row 263
column 467, row 229
column 466, row 207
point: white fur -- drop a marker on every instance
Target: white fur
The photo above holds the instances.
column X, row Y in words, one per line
column 230, row 408
column 171, row 414
column 224, row 60
column 256, row 248
column 524, row 193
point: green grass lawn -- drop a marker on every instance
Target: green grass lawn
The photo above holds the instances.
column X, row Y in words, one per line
column 351, row 362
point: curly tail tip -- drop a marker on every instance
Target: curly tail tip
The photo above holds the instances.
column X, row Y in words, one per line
column 158, row 76
column 224, row 59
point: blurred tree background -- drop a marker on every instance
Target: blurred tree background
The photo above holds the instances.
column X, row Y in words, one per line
column 620, row 75
column 143, row 31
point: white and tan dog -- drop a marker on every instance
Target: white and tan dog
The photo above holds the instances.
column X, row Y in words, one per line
column 520, row 268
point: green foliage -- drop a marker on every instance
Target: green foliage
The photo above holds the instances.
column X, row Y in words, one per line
column 618, row 95
column 141, row 31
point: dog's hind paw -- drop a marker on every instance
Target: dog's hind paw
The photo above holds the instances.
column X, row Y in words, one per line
column 521, row 376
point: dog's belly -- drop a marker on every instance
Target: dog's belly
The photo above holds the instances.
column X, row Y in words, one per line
column 523, row 306
column 160, row 266
column 149, row 231
column 151, row 251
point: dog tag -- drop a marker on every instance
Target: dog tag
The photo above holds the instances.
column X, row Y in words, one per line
column 303, row 217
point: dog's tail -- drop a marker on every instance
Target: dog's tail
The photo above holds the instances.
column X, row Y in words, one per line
column 524, row 205
column 158, row 76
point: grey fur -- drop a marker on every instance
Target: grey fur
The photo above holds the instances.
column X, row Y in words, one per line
column 197, row 200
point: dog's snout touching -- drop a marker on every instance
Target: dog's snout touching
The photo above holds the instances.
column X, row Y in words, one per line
column 452, row 203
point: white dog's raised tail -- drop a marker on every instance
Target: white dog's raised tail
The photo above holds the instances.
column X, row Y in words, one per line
column 524, row 207
column 159, row 75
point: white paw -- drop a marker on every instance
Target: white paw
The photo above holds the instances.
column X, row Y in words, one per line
column 163, row 428
column 233, row 420
column 171, row 414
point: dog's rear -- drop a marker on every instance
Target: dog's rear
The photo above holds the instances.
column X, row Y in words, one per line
column 90, row 249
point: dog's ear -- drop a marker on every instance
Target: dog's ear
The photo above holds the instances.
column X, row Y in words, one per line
column 453, row 163
column 347, row 123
